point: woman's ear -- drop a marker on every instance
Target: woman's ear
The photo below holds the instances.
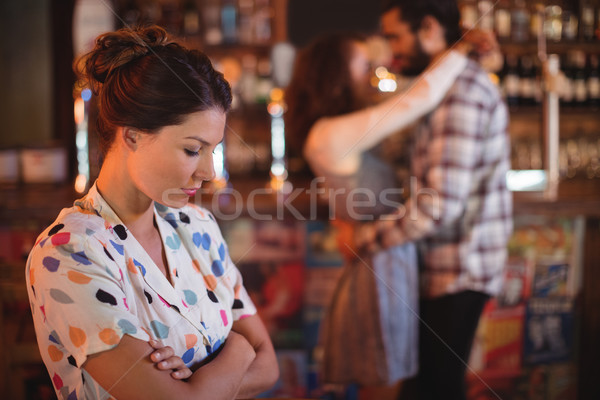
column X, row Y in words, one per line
column 431, row 34
column 129, row 137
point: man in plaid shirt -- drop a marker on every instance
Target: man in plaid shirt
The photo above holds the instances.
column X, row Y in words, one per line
column 460, row 210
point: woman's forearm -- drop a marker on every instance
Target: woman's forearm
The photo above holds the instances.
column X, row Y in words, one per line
column 222, row 378
column 264, row 370
column 260, row 376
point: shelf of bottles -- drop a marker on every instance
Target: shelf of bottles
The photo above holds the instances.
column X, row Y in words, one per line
column 238, row 36
column 208, row 23
column 570, row 29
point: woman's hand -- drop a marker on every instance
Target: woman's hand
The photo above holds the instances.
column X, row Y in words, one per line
column 165, row 359
column 376, row 236
column 484, row 46
column 365, row 239
column 479, row 40
column 389, row 234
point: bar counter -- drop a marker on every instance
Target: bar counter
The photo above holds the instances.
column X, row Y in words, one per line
column 42, row 202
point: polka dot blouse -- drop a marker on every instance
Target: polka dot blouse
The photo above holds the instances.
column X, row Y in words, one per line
column 90, row 282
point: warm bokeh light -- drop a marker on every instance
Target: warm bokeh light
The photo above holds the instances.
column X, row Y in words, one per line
column 279, row 184
column 219, row 183
column 79, row 110
column 494, row 78
column 381, row 72
column 80, row 183
column 276, row 94
column 384, row 80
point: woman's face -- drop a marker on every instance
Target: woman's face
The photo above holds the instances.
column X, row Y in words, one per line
column 170, row 165
column 360, row 68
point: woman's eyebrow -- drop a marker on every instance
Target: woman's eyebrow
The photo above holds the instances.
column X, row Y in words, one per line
column 202, row 141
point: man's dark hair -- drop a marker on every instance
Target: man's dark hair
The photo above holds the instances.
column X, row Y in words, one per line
column 413, row 12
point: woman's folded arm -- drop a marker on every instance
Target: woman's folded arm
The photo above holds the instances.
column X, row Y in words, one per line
column 127, row 372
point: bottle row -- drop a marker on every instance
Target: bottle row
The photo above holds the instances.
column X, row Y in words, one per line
column 521, row 21
column 250, row 77
column 521, row 82
column 214, row 22
column 577, row 157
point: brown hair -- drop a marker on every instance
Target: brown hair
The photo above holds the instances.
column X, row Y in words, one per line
column 321, row 85
column 145, row 81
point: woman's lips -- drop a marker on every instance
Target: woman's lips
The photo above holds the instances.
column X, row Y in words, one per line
column 189, row 192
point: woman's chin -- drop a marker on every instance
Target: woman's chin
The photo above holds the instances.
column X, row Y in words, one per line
column 175, row 200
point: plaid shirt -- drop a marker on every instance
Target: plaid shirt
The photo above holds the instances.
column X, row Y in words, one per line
column 460, row 210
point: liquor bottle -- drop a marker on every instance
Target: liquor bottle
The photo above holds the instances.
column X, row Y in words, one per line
column 570, row 23
column 151, row 12
column 502, row 20
column 468, row 14
column 248, row 81
column 537, row 19
column 553, row 22
column 538, row 91
column 229, row 17
column 567, row 92
column 246, row 25
column 597, row 29
column 264, row 83
column 593, row 82
column 527, row 81
column 520, row 22
column 213, row 35
column 486, row 14
column 586, row 26
column 131, row 14
column 511, row 80
column 580, row 93
column 263, row 15
column 171, row 17
column 191, row 18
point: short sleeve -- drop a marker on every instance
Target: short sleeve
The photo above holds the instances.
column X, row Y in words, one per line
column 242, row 305
column 79, row 290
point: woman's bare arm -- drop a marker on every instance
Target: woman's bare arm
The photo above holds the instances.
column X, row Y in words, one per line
column 264, row 370
column 128, row 372
column 335, row 144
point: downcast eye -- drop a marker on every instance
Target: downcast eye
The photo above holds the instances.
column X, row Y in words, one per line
column 191, row 153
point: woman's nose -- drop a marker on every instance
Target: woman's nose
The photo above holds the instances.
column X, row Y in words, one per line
column 206, row 168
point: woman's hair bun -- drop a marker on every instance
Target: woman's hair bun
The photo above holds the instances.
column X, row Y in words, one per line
column 115, row 49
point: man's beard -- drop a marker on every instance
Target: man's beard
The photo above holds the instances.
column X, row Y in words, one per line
column 417, row 63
